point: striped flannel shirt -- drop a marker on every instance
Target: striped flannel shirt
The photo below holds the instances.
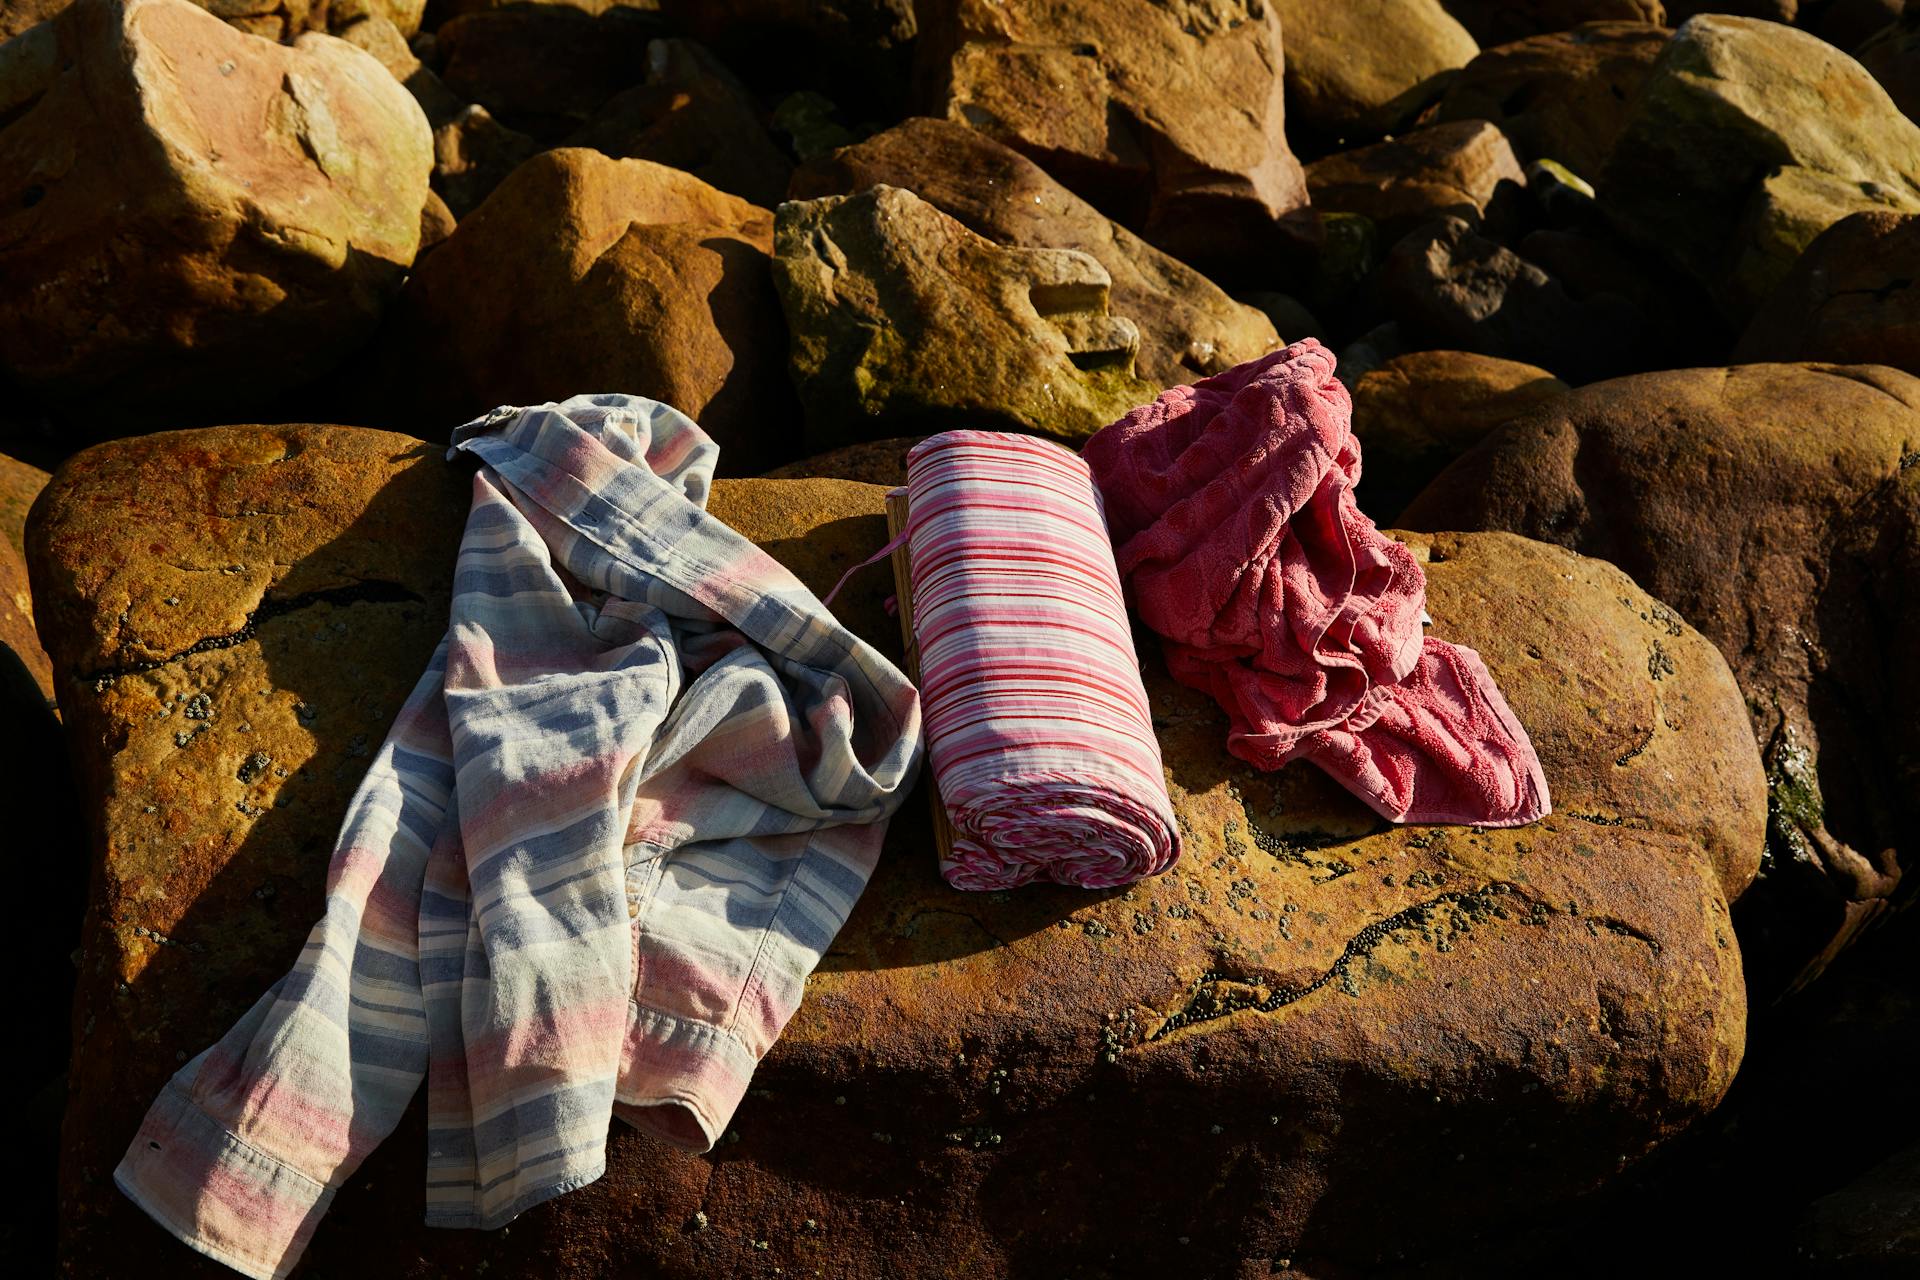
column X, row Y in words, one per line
column 613, row 829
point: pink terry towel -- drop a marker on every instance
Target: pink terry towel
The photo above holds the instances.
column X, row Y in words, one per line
column 1231, row 507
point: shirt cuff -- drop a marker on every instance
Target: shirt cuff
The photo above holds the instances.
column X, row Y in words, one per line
column 216, row 1194
column 681, row 1080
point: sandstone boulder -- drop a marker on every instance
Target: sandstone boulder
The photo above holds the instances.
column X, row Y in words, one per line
column 544, row 69
column 445, row 11
column 1457, row 168
column 1450, row 286
column 864, row 46
column 20, row 484
column 1189, row 327
column 1777, row 508
column 23, row 15
column 258, row 206
column 1418, row 412
column 1494, row 22
column 1871, row 1226
column 281, row 20
column 1852, row 297
column 1777, row 11
column 1560, row 96
column 1746, row 141
column 692, row 114
column 1893, row 57
column 1512, row 1013
column 1169, row 117
column 472, row 152
column 472, row 155
column 1356, row 70
column 881, row 462
column 290, row 584
column 581, row 273
column 905, row 322
column 286, row 19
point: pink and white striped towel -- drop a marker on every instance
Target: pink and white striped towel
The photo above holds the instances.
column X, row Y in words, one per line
column 1037, row 724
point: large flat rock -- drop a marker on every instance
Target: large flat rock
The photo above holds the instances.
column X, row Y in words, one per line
column 1200, row 1075
column 1777, row 508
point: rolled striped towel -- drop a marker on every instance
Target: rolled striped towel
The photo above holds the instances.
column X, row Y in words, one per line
column 1037, row 724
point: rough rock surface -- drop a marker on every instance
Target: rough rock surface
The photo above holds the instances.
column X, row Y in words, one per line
column 1495, row 22
column 863, row 45
column 1418, row 412
column 1746, row 141
column 472, row 151
column 692, row 114
column 1796, row 549
column 1561, row 96
column 508, row 61
column 279, row 590
column 1515, row 1013
column 1853, row 297
column 1167, row 116
column 1455, row 168
column 1871, row 1226
column 905, row 322
column 258, row 207
column 881, row 462
column 1775, row 11
column 472, row 155
column 1356, row 69
column 20, row 484
column 582, row 273
column 1452, row 287
column 1189, row 327
column 20, row 15
column 280, row 20
column 1893, row 57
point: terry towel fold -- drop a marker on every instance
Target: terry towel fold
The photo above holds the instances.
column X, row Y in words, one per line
column 614, row 827
column 1037, row 724
column 1232, row 512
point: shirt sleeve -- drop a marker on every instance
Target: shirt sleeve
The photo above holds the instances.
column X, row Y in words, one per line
column 240, row 1155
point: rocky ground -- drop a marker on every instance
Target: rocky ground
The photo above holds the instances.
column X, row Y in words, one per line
column 1625, row 294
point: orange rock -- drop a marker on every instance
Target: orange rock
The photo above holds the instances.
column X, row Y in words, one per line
column 1562, row 95
column 1359, row 69
column 1169, row 117
column 881, row 462
column 1494, row 22
column 1418, row 412
column 1445, row 168
column 1514, row 1014
column 692, row 114
column 582, row 273
column 20, row 484
column 258, row 206
column 1850, row 297
column 1189, row 327
column 904, row 322
column 1795, row 550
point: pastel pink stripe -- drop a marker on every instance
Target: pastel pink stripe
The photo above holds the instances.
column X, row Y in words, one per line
column 1037, row 725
